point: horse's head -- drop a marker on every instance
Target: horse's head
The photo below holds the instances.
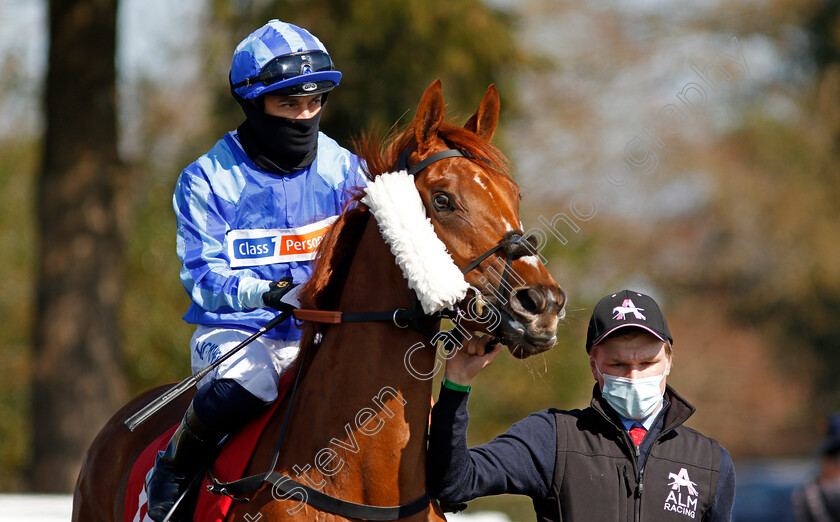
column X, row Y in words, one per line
column 474, row 208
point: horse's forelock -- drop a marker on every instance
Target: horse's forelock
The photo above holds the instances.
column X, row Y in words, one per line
column 460, row 138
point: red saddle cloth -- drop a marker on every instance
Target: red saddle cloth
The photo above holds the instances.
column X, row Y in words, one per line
column 229, row 465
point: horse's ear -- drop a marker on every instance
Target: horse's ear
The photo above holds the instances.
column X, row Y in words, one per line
column 485, row 119
column 429, row 116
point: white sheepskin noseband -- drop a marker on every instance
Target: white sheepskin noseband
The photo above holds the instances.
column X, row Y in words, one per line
column 395, row 203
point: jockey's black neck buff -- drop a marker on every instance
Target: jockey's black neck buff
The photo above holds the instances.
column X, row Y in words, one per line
column 277, row 145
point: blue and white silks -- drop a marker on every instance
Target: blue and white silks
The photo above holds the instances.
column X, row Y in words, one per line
column 240, row 228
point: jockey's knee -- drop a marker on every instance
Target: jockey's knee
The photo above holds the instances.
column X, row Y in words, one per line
column 224, row 405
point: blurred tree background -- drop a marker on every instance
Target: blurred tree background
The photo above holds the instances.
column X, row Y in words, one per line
column 734, row 229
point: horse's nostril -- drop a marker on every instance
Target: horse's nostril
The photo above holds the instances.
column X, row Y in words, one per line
column 531, row 300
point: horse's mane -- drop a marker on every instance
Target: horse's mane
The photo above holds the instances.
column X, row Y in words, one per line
column 382, row 155
column 379, row 155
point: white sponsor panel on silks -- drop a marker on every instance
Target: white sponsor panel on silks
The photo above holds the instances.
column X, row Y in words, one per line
column 259, row 247
column 678, row 501
column 257, row 367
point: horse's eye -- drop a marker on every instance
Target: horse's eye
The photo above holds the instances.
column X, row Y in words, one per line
column 442, row 201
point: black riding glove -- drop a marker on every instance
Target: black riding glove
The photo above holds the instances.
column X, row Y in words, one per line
column 273, row 298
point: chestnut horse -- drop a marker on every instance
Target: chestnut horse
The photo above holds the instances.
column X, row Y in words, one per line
column 360, row 413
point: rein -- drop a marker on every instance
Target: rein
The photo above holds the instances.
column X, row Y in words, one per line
column 513, row 244
column 408, row 316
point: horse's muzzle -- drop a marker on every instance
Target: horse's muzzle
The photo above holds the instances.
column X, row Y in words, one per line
column 530, row 318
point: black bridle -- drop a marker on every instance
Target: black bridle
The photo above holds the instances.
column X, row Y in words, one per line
column 450, row 153
column 513, row 245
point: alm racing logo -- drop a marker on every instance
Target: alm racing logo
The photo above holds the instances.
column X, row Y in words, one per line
column 685, row 505
column 627, row 307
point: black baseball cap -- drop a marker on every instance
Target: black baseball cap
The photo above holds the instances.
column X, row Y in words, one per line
column 626, row 308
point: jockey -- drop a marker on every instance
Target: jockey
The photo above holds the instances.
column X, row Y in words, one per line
column 250, row 213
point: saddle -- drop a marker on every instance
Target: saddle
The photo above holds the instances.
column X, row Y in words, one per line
column 229, row 465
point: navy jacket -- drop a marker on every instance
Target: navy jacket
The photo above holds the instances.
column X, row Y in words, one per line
column 524, row 459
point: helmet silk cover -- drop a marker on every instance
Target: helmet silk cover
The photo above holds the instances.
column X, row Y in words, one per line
column 274, row 39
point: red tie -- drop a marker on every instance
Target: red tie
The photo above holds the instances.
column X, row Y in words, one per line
column 637, row 433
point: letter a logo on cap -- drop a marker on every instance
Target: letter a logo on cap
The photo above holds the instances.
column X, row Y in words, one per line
column 628, row 307
column 607, row 317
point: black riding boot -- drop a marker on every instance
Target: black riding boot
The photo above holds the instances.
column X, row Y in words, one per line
column 188, row 451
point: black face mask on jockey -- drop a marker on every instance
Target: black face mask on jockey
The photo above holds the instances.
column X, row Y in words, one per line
column 277, row 145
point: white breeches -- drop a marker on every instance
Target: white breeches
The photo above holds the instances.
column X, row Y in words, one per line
column 257, row 367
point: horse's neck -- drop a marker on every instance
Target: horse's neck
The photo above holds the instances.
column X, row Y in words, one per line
column 360, row 391
column 374, row 282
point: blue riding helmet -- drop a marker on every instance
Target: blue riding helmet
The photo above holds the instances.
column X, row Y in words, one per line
column 284, row 60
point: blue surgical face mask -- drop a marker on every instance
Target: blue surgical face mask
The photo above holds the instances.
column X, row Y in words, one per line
column 633, row 398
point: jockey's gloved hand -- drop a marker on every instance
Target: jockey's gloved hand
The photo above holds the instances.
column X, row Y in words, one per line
column 274, row 297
